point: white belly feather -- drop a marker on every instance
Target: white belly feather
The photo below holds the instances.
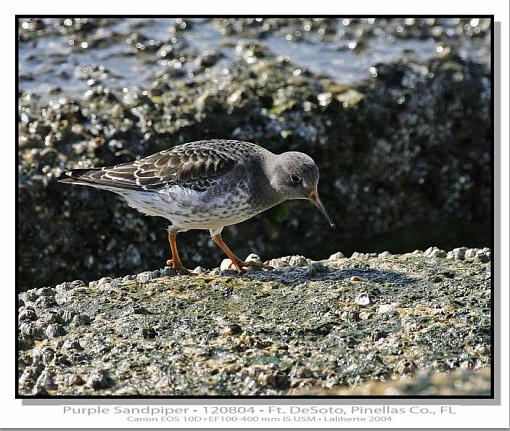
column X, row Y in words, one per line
column 188, row 209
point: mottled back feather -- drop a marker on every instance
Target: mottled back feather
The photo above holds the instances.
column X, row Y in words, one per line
column 192, row 164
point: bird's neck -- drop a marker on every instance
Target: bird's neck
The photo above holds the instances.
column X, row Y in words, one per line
column 263, row 186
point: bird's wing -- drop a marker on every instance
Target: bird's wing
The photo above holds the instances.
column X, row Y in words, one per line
column 188, row 164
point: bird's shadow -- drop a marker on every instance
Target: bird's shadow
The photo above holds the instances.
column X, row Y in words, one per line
column 327, row 273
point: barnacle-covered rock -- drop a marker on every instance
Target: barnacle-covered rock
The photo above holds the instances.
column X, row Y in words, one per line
column 291, row 330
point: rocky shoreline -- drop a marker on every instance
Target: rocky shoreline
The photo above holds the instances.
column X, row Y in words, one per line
column 416, row 323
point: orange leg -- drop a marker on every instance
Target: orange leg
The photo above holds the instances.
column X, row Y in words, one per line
column 239, row 264
column 175, row 261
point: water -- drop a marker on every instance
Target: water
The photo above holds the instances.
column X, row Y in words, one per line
column 50, row 61
column 348, row 66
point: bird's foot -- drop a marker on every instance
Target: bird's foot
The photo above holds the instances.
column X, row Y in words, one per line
column 179, row 268
column 242, row 266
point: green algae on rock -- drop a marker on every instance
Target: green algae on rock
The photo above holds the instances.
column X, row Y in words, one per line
column 295, row 330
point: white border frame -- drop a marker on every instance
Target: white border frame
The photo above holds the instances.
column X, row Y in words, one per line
column 13, row 413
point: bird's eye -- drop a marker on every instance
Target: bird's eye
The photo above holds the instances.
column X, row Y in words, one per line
column 296, row 179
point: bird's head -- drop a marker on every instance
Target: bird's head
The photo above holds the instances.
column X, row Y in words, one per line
column 295, row 175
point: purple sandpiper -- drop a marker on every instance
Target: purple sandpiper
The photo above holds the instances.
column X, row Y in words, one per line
column 208, row 184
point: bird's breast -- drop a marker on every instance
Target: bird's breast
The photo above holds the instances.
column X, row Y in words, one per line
column 220, row 205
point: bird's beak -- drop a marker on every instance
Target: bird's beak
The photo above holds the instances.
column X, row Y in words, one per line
column 314, row 198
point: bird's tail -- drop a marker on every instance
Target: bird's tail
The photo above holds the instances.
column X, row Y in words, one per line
column 98, row 178
column 79, row 176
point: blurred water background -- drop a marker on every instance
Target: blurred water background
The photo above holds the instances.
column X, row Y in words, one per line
column 396, row 112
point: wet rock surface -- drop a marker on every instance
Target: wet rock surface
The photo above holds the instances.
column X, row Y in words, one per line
column 404, row 149
column 292, row 330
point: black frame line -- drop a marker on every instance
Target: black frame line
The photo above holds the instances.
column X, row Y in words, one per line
column 257, row 397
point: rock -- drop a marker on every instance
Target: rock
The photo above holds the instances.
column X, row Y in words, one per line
column 253, row 258
column 99, row 379
column 466, row 364
column 435, row 252
column 39, row 391
column 66, row 316
column 148, row 333
column 72, row 344
column 55, row 330
column 379, row 335
column 278, row 263
column 103, row 282
column 226, row 264
column 357, row 255
column 362, row 299
column 298, row 261
column 483, row 255
column 51, row 317
column 45, row 291
column 138, row 309
column 324, row 99
column 365, row 315
column 45, row 302
column 42, row 356
column 224, row 334
column 76, row 380
column 45, row 381
column 483, row 258
column 350, row 98
column 459, row 253
column 233, row 329
column 385, row 308
column 27, row 314
column 92, row 285
column 167, row 271
column 32, row 330
column 200, row 270
column 482, row 350
column 29, row 376
column 63, row 287
column 144, row 277
column 470, row 253
column 355, row 279
column 208, row 58
column 336, row 256
column 81, row 320
column 352, row 316
column 406, row 367
column 317, row 268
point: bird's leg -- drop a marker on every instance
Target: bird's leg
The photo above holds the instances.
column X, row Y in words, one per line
column 175, row 261
column 239, row 264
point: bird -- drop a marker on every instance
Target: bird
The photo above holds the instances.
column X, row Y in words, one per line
column 208, row 184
